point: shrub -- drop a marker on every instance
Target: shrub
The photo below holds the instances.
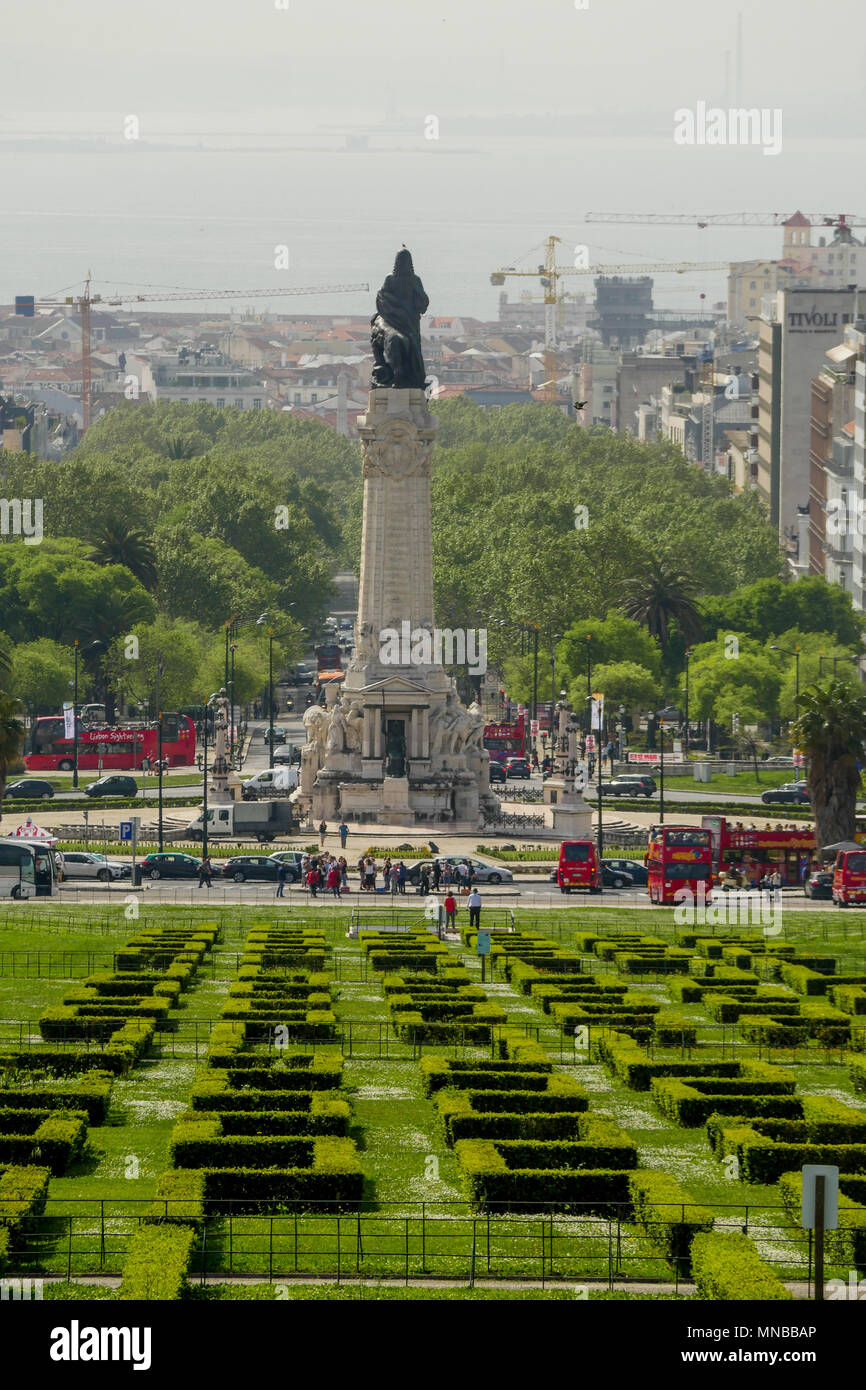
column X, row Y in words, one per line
column 668, row 1214
column 156, row 1263
column 847, row 1244
column 179, row 1197
column 727, row 1268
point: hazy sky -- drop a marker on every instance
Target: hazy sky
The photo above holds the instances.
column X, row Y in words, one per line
column 248, row 115
column 486, row 56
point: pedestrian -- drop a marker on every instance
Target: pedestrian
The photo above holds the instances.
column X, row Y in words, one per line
column 534, row 760
column 205, row 872
column 394, row 876
column 323, row 830
column 447, row 875
column 470, row 873
column 313, row 879
column 344, row 834
column 362, row 873
column 473, row 902
column 370, row 873
column 281, row 878
column 424, row 887
column 401, row 876
column 450, row 911
column 344, row 871
column 386, row 867
column 437, row 875
column 334, row 879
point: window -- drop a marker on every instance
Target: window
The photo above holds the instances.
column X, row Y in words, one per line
column 257, row 404
column 576, row 853
column 314, row 397
column 753, row 285
column 239, row 403
column 221, row 400
column 689, row 872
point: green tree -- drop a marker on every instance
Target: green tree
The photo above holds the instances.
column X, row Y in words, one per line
column 42, row 673
column 11, row 738
column 614, row 638
column 830, row 732
column 733, row 676
column 120, row 543
column 661, row 595
column 621, row 683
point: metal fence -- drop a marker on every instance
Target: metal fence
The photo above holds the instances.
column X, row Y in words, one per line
column 426, row 1240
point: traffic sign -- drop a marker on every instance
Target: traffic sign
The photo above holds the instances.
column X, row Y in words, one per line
column 808, row 1208
column 482, row 944
column 533, row 727
column 125, row 831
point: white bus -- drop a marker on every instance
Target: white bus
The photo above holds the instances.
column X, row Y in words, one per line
column 27, row 869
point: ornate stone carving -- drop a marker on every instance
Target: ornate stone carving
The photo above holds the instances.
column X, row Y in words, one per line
column 398, row 452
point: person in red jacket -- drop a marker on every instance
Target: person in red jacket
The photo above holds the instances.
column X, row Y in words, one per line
column 450, row 911
column 335, row 879
column 314, row 878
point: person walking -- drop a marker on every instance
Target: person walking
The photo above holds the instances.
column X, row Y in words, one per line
column 437, row 875
column 344, row 833
column 424, row 887
column 370, row 873
column 323, row 830
column 362, row 873
column 334, row 879
column 450, row 911
column 394, row 876
column 313, row 879
column 447, row 875
column 205, row 872
column 344, row 871
column 473, row 902
column 401, row 877
column 282, row 873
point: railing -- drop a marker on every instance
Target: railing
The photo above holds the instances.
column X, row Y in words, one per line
column 426, row 1240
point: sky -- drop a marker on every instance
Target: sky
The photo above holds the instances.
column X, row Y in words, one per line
column 179, row 143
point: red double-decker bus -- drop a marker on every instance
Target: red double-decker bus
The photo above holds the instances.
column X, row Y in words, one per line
column 124, row 746
column 747, row 854
column 679, row 862
column 505, row 741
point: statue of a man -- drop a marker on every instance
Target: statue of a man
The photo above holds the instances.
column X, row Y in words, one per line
column 336, row 740
column 396, row 328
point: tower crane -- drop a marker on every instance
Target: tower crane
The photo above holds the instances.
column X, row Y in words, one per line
column 549, row 273
column 26, row 306
column 842, row 221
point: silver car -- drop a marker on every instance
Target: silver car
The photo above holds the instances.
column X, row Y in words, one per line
column 484, row 872
column 83, row 864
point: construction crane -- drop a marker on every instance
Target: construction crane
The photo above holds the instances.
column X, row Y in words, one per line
column 842, row 221
column 550, row 274
column 26, row 305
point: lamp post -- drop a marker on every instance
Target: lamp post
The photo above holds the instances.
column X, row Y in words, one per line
column 207, row 708
column 622, row 733
column 159, row 671
column 786, row 651
column 94, row 646
column 598, row 818
column 233, row 648
column 553, row 641
column 686, row 734
column 661, row 729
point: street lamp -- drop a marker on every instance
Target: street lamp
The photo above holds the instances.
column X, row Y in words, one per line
column 599, row 826
column 233, row 648
column 553, row 641
column 686, row 735
column 208, row 706
column 661, row 733
column 160, row 668
column 622, row 733
column 94, row 646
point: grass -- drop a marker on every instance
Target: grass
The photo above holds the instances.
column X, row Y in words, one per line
column 744, row 782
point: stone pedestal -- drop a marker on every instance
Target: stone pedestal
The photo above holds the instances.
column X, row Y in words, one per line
column 571, row 817
column 397, row 747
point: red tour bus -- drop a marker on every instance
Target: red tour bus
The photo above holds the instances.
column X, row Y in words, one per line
column 505, row 741
column 849, row 877
column 124, row 746
column 750, row 854
column 578, row 866
column 679, row 860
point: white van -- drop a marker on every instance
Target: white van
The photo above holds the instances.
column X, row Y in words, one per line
column 272, row 782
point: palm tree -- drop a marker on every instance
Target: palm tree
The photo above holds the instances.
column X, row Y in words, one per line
column 660, row 594
column 830, row 730
column 11, row 737
column 119, row 543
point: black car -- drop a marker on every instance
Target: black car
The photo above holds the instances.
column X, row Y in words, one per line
column 636, row 871
column 113, row 785
column 635, row 784
column 819, row 885
column 245, row 866
column 792, row 793
column 30, row 789
column 517, row 767
column 497, row 772
column 169, row 866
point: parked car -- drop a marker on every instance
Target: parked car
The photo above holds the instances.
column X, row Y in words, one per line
column 83, row 864
column 244, row 866
column 29, row 789
column 116, row 784
column 778, row 760
column 170, row 866
column 497, row 772
column 276, row 781
column 819, row 885
column 303, row 674
column 517, row 767
column 610, row 877
column 484, row 873
column 292, row 858
column 791, row 793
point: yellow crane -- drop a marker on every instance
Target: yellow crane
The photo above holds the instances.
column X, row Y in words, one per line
column 549, row 273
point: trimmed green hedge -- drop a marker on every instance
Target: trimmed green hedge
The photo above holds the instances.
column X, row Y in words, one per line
column 156, row 1263
column 23, row 1193
column 667, row 1213
column 526, row 1172
column 92, row 1094
column 726, row 1267
column 50, row 1137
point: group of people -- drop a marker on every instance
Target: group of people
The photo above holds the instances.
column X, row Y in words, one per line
column 319, row 872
